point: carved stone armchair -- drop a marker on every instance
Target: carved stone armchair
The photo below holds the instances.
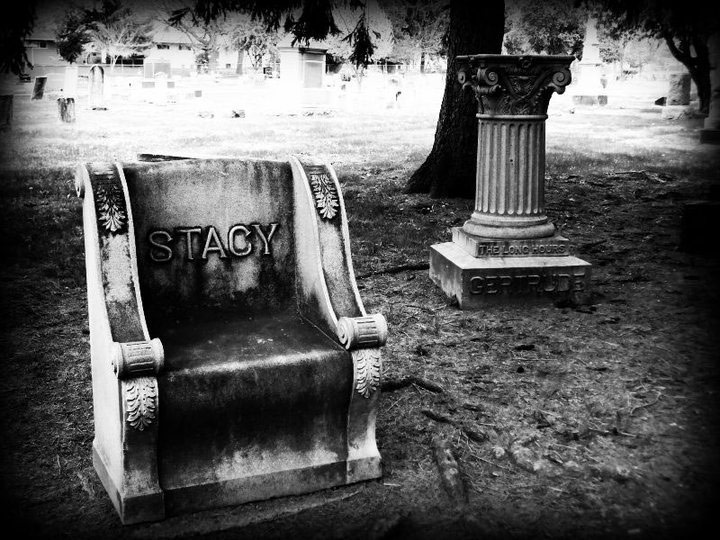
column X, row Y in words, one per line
column 232, row 358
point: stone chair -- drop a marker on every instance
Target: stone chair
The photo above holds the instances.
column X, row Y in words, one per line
column 232, row 358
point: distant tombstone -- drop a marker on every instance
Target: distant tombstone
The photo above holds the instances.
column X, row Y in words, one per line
column 97, row 88
column 161, row 88
column 590, row 89
column 39, row 87
column 71, row 81
column 302, row 67
column 262, row 373
column 6, row 112
column 153, row 67
column 678, row 89
column 66, row 108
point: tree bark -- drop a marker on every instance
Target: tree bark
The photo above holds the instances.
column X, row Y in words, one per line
column 449, row 170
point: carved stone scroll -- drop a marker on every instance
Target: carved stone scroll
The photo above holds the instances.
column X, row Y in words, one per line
column 514, row 85
column 363, row 336
column 137, row 358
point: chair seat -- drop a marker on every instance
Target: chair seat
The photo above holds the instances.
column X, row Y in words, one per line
column 230, row 420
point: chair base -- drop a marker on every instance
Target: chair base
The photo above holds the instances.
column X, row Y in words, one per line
column 139, row 508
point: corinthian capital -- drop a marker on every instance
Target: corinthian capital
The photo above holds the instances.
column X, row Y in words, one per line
column 514, row 85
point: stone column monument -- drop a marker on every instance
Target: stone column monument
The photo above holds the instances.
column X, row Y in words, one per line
column 508, row 248
column 97, row 88
column 589, row 89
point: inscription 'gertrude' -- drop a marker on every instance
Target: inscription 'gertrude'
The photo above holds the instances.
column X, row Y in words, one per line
column 241, row 239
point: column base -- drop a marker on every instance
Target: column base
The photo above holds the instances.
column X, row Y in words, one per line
column 478, row 282
column 478, row 246
column 538, row 230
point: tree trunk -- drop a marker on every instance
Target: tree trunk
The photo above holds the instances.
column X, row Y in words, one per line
column 698, row 67
column 449, row 170
column 422, row 61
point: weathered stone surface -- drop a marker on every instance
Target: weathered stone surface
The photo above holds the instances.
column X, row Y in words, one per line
column 476, row 282
column 678, row 89
column 232, row 358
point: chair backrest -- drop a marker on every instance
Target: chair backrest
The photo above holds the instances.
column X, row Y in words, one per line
column 213, row 234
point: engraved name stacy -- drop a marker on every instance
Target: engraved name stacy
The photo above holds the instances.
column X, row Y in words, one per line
column 240, row 240
column 522, row 283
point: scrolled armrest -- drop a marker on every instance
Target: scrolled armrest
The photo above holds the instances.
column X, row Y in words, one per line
column 137, row 358
column 362, row 332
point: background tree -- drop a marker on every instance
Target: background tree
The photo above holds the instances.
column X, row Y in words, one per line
column 449, row 170
column 552, row 27
column 684, row 25
column 419, row 28
column 253, row 39
column 342, row 46
column 72, row 35
column 207, row 34
column 16, row 24
column 114, row 31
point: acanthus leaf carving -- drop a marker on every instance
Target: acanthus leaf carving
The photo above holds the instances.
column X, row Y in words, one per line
column 140, row 401
column 110, row 202
column 110, row 208
column 324, row 192
column 367, row 370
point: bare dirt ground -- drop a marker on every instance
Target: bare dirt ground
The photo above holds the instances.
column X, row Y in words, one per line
column 596, row 419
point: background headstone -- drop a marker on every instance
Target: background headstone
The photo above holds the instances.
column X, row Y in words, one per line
column 66, row 108
column 678, row 89
column 6, row 112
column 39, row 87
column 590, row 89
column 97, row 88
column 71, row 81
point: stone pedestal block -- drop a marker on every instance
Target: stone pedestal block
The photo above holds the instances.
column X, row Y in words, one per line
column 478, row 281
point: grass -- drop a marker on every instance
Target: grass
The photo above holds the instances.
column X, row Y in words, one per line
column 598, row 419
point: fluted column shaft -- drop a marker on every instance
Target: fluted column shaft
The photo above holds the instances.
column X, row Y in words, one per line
column 513, row 93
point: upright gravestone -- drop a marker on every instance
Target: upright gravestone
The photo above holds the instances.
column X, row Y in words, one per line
column 678, row 89
column 39, row 87
column 97, row 88
column 590, row 90
column 508, row 249
column 66, row 103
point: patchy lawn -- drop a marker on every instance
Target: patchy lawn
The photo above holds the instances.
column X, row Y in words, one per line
column 592, row 419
